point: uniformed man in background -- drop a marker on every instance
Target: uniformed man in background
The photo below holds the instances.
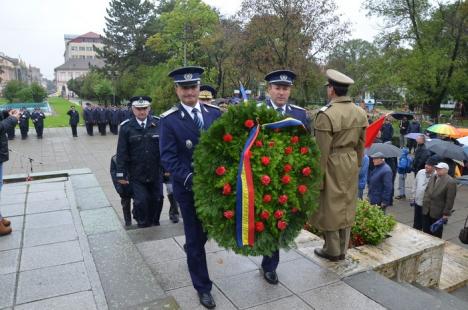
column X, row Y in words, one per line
column 138, row 155
column 114, row 120
column 180, row 131
column 207, row 94
column 24, row 122
column 74, row 120
column 88, row 116
column 340, row 128
column 100, row 116
column 280, row 83
column 37, row 118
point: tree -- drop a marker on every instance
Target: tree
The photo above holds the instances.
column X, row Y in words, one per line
column 38, row 92
column 10, row 92
column 75, row 85
column 25, row 95
column 126, row 32
column 103, row 90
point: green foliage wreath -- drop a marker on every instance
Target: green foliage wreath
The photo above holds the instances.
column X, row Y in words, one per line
column 285, row 172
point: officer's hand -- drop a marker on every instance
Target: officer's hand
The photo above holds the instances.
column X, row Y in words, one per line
column 15, row 113
column 167, row 174
column 123, row 182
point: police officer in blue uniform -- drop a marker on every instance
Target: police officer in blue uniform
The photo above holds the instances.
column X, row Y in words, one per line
column 100, row 116
column 37, row 118
column 180, row 132
column 24, row 122
column 280, row 83
column 138, row 155
column 88, row 116
column 114, row 120
column 74, row 120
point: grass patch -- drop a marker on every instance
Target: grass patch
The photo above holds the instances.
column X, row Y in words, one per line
column 3, row 100
column 59, row 117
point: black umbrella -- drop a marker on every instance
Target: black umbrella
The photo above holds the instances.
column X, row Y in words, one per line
column 389, row 150
column 399, row 115
column 446, row 149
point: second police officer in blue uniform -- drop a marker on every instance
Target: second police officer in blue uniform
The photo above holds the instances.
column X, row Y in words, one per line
column 138, row 155
column 280, row 83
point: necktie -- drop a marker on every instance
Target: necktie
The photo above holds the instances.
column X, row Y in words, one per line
column 143, row 125
column 279, row 110
column 196, row 119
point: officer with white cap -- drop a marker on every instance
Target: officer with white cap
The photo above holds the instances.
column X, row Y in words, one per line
column 340, row 134
column 138, row 161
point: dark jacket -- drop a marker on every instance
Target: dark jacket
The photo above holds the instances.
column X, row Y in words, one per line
column 387, row 132
column 414, row 126
column 88, row 116
column 138, row 151
column 100, row 115
column 421, row 155
column 404, row 127
column 114, row 117
column 74, row 117
column 24, row 120
column 5, row 124
column 380, row 185
column 38, row 118
column 439, row 197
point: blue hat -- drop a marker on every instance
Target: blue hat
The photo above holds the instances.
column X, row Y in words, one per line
column 187, row 76
column 281, row 77
column 140, row 101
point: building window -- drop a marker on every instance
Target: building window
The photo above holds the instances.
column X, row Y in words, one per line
column 82, row 48
column 73, row 48
column 89, row 48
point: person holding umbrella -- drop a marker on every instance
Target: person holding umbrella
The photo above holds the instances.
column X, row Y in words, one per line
column 438, row 199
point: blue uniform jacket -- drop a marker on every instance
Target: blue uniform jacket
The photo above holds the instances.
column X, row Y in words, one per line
column 88, row 116
column 381, row 185
column 74, row 117
column 38, row 118
column 295, row 112
column 100, row 115
column 179, row 137
column 114, row 117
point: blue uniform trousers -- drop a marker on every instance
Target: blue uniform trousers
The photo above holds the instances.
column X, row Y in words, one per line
column 145, row 201
column 195, row 239
column 269, row 263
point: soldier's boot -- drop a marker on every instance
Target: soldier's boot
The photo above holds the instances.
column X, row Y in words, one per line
column 173, row 209
column 4, row 230
column 126, row 202
column 5, row 222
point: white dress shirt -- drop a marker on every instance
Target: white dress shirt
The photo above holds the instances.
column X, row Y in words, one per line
column 189, row 111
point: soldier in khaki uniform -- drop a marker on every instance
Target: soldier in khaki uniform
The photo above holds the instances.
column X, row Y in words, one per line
column 340, row 133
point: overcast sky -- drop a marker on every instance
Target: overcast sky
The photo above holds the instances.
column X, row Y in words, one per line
column 33, row 29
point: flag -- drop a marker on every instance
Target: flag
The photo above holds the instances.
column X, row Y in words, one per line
column 373, row 130
column 243, row 93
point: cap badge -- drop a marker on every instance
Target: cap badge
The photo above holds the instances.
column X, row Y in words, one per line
column 188, row 144
column 188, row 76
column 283, row 77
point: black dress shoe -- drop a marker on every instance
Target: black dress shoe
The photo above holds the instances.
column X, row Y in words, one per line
column 174, row 218
column 207, row 300
column 319, row 252
column 143, row 225
column 271, row 277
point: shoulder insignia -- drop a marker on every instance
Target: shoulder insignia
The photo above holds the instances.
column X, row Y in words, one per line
column 297, row 107
column 155, row 117
column 324, row 108
column 170, row 111
column 125, row 122
column 212, row 105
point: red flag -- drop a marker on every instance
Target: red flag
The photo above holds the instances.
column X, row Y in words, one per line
column 373, row 130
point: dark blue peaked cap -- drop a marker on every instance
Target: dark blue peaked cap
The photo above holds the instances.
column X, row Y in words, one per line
column 281, row 77
column 187, row 76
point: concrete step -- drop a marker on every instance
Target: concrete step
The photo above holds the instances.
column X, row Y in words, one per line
column 461, row 293
column 443, row 296
column 454, row 272
column 393, row 295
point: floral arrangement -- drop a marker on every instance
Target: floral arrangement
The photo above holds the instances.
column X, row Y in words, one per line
column 371, row 224
column 282, row 164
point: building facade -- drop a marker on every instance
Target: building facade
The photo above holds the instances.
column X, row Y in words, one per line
column 80, row 56
column 16, row 69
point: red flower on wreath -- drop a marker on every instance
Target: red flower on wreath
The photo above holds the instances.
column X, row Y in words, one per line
column 294, row 139
column 288, row 150
column 227, row 189
column 265, row 180
column 227, row 137
column 266, row 198
column 278, row 214
column 302, row 189
column 249, row 123
column 264, row 215
column 304, row 150
column 306, row 171
column 271, row 143
column 258, row 143
column 282, row 225
column 220, row 170
column 294, row 210
column 286, row 179
column 287, row 168
column 283, row 199
column 228, row 214
column 259, row 226
column 265, row 160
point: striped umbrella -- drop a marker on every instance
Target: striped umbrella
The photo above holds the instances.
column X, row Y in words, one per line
column 445, row 129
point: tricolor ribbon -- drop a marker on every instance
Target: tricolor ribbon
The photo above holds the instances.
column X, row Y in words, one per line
column 245, row 191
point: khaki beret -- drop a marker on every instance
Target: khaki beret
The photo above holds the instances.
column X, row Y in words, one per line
column 336, row 77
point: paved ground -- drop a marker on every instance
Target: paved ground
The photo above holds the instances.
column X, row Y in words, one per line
column 58, row 151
